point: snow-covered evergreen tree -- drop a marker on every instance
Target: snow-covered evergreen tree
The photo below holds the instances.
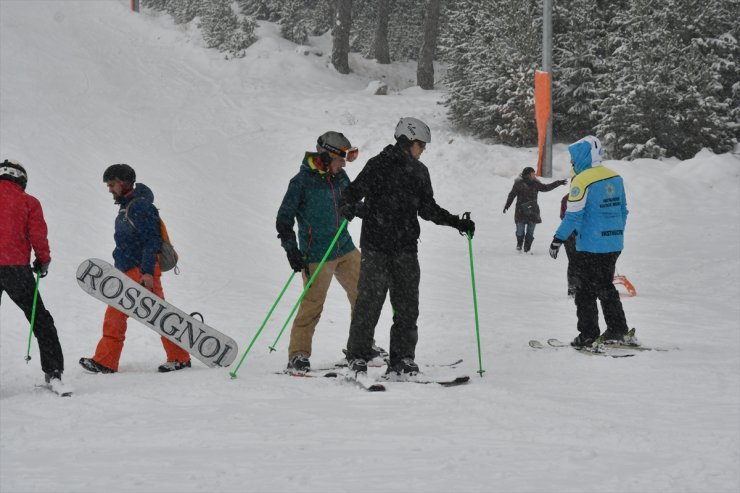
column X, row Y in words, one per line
column 221, row 28
column 493, row 53
column 580, row 63
column 155, row 4
column 666, row 98
column 183, row 11
column 302, row 18
column 263, row 10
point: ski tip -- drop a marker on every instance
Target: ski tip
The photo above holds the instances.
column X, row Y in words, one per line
column 456, row 381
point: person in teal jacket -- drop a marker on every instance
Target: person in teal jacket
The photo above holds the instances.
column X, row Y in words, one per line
column 312, row 200
column 597, row 211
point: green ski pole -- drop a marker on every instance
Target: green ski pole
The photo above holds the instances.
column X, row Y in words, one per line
column 310, row 281
column 33, row 317
column 254, row 339
column 475, row 299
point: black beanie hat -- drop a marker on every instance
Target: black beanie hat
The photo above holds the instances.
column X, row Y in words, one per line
column 122, row 172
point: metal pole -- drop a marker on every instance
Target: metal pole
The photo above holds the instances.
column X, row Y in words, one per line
column 547, row 67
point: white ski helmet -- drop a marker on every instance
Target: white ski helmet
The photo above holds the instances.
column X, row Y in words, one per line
column 413, row 129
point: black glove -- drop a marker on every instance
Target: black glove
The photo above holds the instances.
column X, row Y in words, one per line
column 555, row 247
column 563, row 182
column 295, row 257
column 505, row 209
column 347, row 211
column 465, row 225
column 43, row 269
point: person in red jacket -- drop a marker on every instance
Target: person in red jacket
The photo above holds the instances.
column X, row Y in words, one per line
column 22, row 228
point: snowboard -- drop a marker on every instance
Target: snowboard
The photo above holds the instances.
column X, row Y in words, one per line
column 104, row 282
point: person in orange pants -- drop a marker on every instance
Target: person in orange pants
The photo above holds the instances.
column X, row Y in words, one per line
column 138, row 239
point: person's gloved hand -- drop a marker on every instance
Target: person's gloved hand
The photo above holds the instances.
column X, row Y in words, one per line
column 555, row 247
column 43, row 269
column 295, row 257
column 505, row 209
column 465, row 225
column 347, row 211
column 563, row 182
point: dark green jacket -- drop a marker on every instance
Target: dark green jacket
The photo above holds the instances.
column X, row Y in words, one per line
column 312, row 199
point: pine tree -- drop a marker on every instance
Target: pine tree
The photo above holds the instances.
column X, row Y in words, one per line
column 221, row 28
column 183, row 11
column 155, row 4
column 492, row 55
column 425, row 65
column 340, row 35
column 263, row 10
column 666, row 99
column 380, row 50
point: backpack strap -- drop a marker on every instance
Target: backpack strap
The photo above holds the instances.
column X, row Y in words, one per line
column 126, row 213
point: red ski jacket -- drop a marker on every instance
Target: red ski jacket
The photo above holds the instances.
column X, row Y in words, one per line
column 22, row 226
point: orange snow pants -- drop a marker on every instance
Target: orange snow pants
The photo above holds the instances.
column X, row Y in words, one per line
column 108, row 352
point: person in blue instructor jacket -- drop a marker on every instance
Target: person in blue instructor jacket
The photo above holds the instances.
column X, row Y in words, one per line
column 597, row 211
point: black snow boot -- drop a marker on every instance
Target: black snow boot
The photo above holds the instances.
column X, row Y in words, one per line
column 519, row 241
column 93, row 366
column 582, row 341
column 528, row 243
column 406, row 366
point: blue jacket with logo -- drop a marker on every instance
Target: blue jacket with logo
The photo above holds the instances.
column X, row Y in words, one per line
column 597, row 204
column 139, row 236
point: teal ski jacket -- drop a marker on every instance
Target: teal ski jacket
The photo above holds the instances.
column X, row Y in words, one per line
column 312, row 200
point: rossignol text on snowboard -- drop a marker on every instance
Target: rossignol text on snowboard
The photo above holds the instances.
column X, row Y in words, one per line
column 101, row 280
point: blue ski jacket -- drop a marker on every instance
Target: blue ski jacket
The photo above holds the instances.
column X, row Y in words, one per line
column 138, row 235
column 597, row 203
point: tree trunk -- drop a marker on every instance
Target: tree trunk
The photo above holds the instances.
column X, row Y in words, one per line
column 425, row 65
column 340, row 33
column 380, row 47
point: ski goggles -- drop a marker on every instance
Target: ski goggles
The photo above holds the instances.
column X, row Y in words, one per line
column 348, row 155
column 15, row 173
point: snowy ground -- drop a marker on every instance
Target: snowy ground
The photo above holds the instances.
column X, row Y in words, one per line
column 86, row 84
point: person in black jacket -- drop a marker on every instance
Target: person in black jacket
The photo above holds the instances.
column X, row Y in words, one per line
column 527, row 212
column 396, row 189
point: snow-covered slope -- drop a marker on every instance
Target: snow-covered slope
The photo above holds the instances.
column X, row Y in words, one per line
column 87, row 84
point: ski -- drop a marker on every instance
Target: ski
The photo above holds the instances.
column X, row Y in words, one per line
column 598, row 351
column 611, row 345
column 378, row 364
column 298, row 374
column 61, row 391
column 444, row 382
column 362, row 381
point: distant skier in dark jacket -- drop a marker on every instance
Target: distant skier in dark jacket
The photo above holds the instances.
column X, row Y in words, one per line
column 312, row 200
column 22, row 228
column 138, row 238
column 527, row 213
column 570, row 250
column 397, row 190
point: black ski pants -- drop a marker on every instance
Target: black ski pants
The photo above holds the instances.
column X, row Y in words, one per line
column 19, row 282
column 595, row 276
column 381, row 273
